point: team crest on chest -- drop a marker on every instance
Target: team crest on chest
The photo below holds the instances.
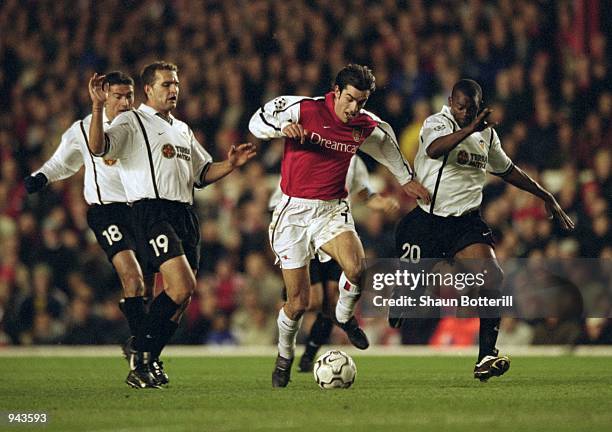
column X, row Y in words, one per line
column 463, row 157
column 168, row 151
column 357, row 134
column 109, row 162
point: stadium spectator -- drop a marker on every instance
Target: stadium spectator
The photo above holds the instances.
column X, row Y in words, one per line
column 417, row 49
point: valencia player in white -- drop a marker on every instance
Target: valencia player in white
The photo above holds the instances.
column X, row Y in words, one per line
column 457, row 146
column 108, row 215
column 161, row 164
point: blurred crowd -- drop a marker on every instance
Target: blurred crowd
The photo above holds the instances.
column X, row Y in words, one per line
column 544, row 67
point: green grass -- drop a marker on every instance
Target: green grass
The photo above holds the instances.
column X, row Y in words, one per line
column 390, row 393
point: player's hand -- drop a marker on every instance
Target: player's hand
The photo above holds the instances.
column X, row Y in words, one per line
column 35, row 183
column 295, row 131
column 555, row 211
column 480, row 123
column 241, row 154
column 98, row 91
column 388, row 205
column 414, row 189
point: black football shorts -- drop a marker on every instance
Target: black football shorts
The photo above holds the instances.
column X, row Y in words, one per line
column 113, row 227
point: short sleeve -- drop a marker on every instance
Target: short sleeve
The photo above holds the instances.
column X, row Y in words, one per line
column 201, row 161
column 435, row 127
column 499, row 163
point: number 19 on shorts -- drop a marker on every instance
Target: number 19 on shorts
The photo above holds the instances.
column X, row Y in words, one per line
column 159, row 243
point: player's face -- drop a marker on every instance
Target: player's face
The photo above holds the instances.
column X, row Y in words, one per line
column 163, row 94
column 463, row 108
column 120, row 99
column 349, row 101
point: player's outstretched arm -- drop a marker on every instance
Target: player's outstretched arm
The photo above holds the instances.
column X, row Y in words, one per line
column 65, row 162
column 517, row 177
column 442, row 145
column 98, row 94
column 236, row 157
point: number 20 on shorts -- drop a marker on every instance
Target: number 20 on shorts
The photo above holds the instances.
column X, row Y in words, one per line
column 412, row 253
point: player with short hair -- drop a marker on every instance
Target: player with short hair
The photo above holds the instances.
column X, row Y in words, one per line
column 108, row 215
column 321, row 135
column 324, row 276
column 161, row 164
column 457, row 146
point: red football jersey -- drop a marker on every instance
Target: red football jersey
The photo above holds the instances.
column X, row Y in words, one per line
column 317, row 169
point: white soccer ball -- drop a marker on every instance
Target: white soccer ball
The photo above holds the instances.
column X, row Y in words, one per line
column 335, row 369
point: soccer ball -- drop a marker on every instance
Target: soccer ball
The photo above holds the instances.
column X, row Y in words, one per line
column 335, row 369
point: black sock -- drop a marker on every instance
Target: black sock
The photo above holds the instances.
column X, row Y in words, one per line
column 161, row 310
column 489, row 329
column 319, row 334
column 134, row 311
column 167, row 331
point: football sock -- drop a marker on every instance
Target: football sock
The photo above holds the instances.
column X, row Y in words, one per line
column 287, row 332
column 167, row 330
column 319, row 334
column 161, row 310
column 134, row 311
column 349, row 294
column 489, row 329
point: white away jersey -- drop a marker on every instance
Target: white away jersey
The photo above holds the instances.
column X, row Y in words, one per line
column 102, row 183
column 455, row 181
column 159, row 159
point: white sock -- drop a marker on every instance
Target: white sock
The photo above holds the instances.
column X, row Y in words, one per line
column 287, row 332
column 349, row 294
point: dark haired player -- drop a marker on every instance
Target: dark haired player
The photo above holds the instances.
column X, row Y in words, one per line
column 321, row 135
column 457, row 147
column 108, row 215
column 161, row 164
column 324, row 276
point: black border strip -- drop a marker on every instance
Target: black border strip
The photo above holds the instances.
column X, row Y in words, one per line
column 433, row 198
column 146, row 138
column 505, row 173
column 92, row 162
column 263, row 119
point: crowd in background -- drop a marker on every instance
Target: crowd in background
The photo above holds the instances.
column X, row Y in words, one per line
column 544, row 67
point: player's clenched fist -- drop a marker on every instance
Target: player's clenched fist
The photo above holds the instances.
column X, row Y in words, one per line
column 295, row 131
column 480, row 123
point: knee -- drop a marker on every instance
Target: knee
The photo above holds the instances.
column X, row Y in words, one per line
column 184, row 289
column 133, row 284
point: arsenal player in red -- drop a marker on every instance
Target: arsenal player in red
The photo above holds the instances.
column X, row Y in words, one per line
column 313, row 217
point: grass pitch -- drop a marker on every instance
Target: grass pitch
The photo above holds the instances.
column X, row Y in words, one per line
column 234, row 394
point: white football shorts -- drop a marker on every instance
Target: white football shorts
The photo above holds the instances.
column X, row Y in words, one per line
column 301, row 226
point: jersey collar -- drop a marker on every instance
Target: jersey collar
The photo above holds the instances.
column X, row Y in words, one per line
column 150, row 110
column 446, row 112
